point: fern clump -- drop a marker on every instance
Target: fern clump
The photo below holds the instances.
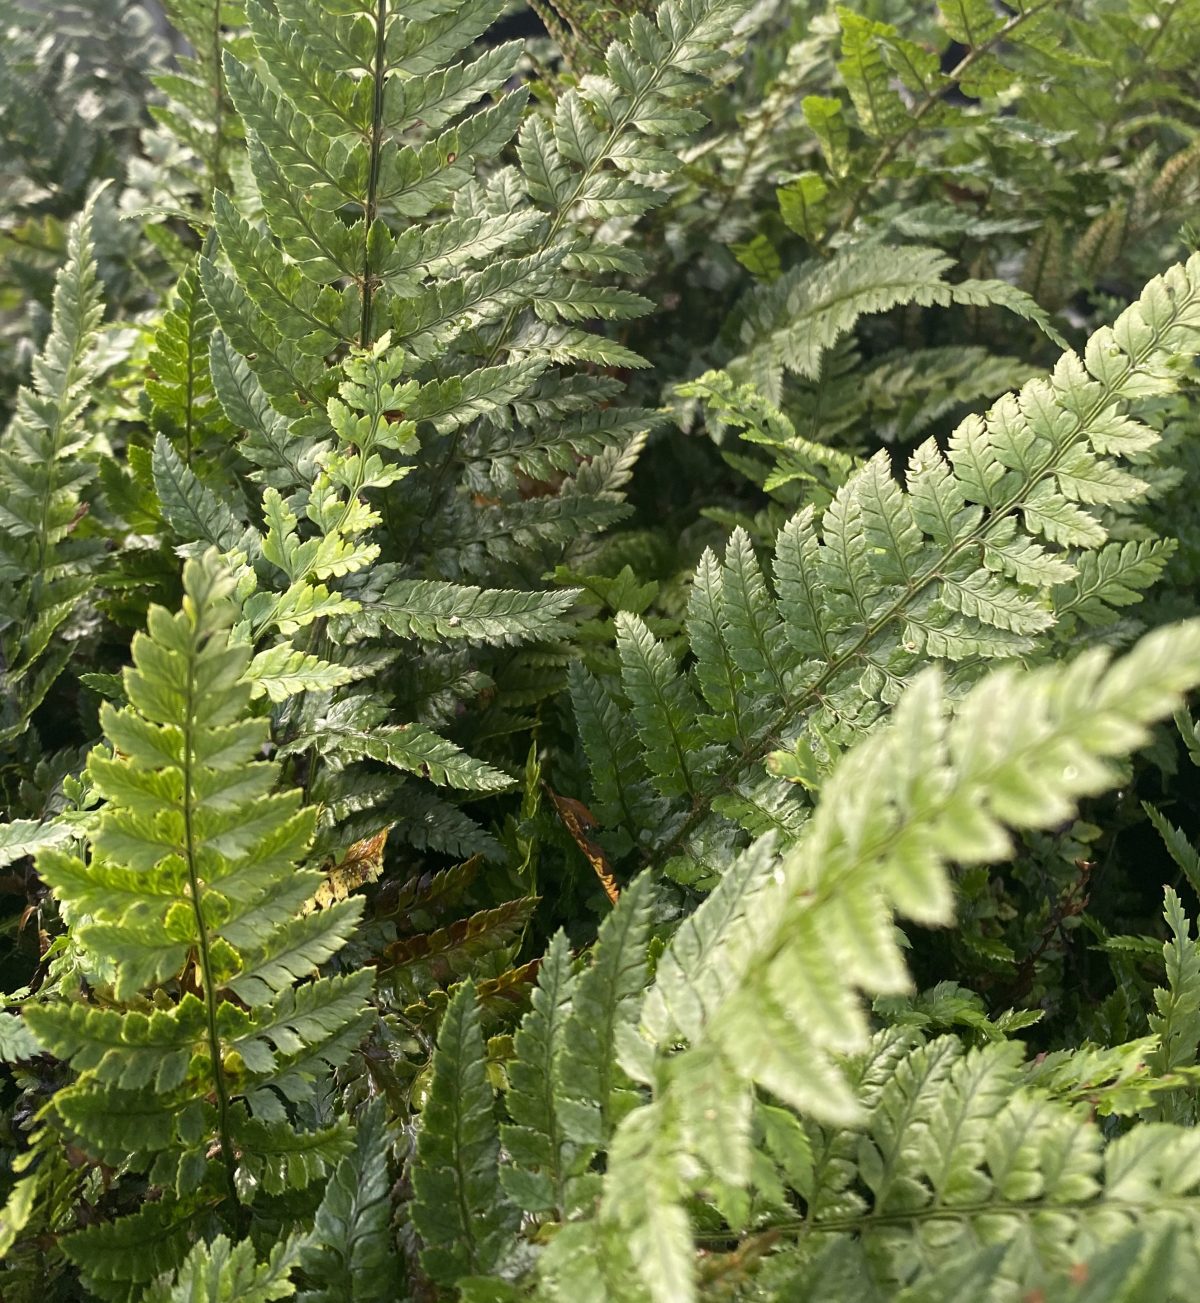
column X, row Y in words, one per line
column 591, row 599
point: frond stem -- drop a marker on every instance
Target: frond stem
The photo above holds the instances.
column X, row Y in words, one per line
column 371, row 203
column 206, row 969
column 215, row 176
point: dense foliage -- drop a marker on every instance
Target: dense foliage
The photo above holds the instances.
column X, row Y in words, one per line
column 597, row 606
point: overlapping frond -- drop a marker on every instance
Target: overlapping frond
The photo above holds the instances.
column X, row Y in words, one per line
column 760, row 986
column 384, row 115
column 980, row 553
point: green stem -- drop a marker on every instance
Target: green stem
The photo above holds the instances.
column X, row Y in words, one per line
column 215, row 177
column 195, row 887
column 370, row 204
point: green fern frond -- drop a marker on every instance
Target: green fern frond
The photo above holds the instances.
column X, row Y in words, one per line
column 350, row 1257
column 230, row 1273
column 386, row 116
column 1019, row 1151
column 990, row 551
column 459, row 1209
column 197, row 111
column 769, row 963
column 186, row 906
column 594, row 1092
column 540, row 1154
column 434, row 611
column 1177, row 1018
column 24, row 837
column 44, row 571
column 789, row 325
column 193, row 511
column 182, row 403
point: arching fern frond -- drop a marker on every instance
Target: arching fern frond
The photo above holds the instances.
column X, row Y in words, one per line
column 760, row 988
column 790, row 324
column 990, row 550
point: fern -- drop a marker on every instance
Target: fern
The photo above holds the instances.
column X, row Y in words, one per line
column 418, row 270
column 594, row 1093
column 197, row 111
column 953, row 1140
column 183, row 404
column 276, row 890
column 187, row 906
column 464, row 1221
column 759, row 986
column 790, row 324
column 384, row 116
column 1176, row 1022
column 45, row 571
column 225, row 1271
column 989, row 547
column 350, row 1253
column 566, row 1097
column 432, row 611
column 540, row 1152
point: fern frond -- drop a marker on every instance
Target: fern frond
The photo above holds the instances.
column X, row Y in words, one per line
column 415, row 749
column 663, row 707
column 225, row 1271
column 182, row 403
column 433, row 611
column 790, row 324
column 197, row 109
column 193, row 510
column 190, row 893
column 1020, row 1150
column 996, row 550
column 350, row 1257
column 594, row 1092
column 770, row 962
column 1177, row 1017
column 459, row 1209
column 541, row 1156
column 611, row 744
column 44, row 571
column 24, row 837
